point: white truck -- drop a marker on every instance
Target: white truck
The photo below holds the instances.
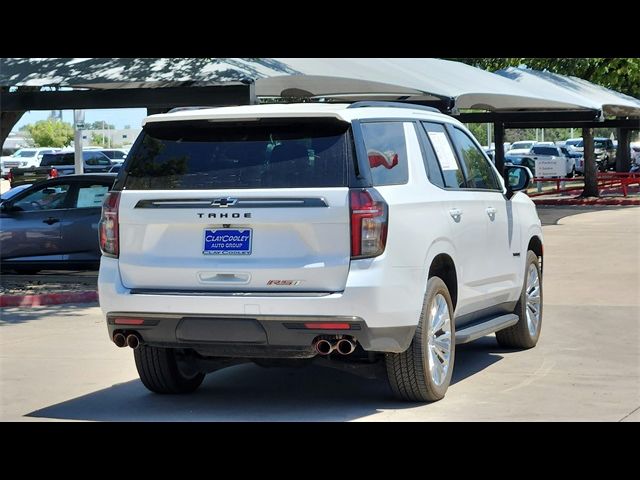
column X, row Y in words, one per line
column 549, row 161
column 24, row 158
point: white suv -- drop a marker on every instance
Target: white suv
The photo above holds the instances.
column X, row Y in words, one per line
column 373, row 235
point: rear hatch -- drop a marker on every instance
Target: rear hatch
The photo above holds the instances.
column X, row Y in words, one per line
column 239, row 206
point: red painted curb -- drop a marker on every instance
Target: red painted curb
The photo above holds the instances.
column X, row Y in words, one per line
column 48, row 299
column 587, row 201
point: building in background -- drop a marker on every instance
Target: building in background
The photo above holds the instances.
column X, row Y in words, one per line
column 14, row 141
column 108, row 138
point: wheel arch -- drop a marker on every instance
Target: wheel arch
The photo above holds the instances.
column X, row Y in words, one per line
column 443, row 266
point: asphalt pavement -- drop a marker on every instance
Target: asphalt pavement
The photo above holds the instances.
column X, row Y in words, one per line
column 57, row 363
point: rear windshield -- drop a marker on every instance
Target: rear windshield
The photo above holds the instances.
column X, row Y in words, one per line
column 49, row 159
column 545, row 150
column 257, row 154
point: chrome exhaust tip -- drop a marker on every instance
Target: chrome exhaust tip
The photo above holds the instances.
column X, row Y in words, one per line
column 345, row 346
column 323, row 346
column 133, row 341
column 120, row 340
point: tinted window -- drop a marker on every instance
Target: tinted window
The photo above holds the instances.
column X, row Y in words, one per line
column 447, row 161
column 265, row 154
column 52, row 159
column 544, row 150
column 387, row 151
column 96, row 158
column 479, row 171
column 45, row 198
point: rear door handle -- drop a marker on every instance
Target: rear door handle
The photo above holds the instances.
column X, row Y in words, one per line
column 51, row 220
column 456, row 214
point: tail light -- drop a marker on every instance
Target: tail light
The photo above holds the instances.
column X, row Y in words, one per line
column 108, row 226
column 53, row 173
column 369, row 222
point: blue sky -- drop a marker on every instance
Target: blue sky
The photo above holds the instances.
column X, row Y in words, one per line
column 118, row 117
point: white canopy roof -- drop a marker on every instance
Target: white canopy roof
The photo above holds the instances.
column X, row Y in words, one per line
column 573, row 89
column 412, row 79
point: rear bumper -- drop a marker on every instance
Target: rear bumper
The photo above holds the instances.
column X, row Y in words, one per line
column 385, row 305
column 257, row 336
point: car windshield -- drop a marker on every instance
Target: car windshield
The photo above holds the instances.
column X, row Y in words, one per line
column 204, row 155
column 51, row 159
column 573, row 143
column 25, row 153
column 600, row 143
column 545, row 150
column 521, row 145
column 12, row 193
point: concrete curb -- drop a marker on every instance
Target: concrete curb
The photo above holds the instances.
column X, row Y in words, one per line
column 587, row 201
column 48, row 299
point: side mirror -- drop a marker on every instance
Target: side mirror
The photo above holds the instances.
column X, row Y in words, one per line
column 518, row 178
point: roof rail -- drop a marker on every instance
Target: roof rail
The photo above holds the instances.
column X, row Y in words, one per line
column 180, row 109
column 393, row 105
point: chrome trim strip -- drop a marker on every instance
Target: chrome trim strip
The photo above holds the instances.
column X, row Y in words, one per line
column 307, row 202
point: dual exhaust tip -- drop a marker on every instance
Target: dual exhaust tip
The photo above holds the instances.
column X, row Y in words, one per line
column 132, row 340
column 343, row 346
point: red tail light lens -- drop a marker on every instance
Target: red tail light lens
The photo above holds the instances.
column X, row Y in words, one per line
column 108, row 227
column 53, row 173
column 369, row 222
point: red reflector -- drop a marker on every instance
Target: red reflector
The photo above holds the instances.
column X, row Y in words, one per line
column 53, row 173
column 327, row 326
column 128, row 321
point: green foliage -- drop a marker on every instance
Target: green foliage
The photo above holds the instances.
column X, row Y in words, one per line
column 99, row 139
column 620, row 74
column 50, row 133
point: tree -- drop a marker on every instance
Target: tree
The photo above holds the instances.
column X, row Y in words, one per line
column 51, row 133
column 99, row 139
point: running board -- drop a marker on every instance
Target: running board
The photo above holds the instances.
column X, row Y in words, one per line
column 472, row 332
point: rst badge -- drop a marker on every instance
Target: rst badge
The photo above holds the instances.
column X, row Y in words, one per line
column 227, row 241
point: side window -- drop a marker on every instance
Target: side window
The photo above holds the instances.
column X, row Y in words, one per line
column 50, row 197
column 97, row 158
column 387, row 151
column 479, row 171
column 91, row 196
column 445, row 156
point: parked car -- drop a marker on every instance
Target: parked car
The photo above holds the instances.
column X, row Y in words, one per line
column 577, row 157
column 521, row 148
column 303, row 237
column 60, row 164
column 53, row 224
column 116, row 155
column 24, row 158
column 604, row 151
column 544, row 151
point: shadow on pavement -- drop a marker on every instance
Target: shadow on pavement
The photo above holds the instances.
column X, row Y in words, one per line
column 550, row 215
column 16, row 315
column 251, row 393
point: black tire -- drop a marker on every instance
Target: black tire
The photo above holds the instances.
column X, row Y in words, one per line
column 572, row 173
column 408, row 372
column 518, row 335
column 159, row 371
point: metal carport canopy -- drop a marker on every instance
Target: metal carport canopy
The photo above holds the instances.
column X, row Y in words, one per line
column 573, row 89
column 410, row 79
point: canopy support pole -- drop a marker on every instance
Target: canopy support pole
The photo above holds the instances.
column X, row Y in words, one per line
column 498, row 139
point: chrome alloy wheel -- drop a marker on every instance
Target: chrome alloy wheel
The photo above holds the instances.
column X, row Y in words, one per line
column 533, row 300
column 439, row 339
